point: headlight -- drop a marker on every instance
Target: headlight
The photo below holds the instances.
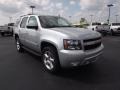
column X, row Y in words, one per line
column 72, row 44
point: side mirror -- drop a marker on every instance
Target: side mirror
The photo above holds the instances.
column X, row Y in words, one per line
column 32, row 27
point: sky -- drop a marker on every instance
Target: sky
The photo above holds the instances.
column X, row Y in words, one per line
column 73, row 10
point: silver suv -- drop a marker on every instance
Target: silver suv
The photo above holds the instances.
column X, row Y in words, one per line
column 57, row 41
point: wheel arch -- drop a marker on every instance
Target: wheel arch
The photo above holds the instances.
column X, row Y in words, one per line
column 47, row 43
column 16, row 36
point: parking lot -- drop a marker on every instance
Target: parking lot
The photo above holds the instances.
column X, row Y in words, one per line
column 24, row 71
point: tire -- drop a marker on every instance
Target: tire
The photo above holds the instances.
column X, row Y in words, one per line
column 112, row 33
column 50, row 59
column 104, row 34
column 18, row 45
column 2, row 34
column 11, row 33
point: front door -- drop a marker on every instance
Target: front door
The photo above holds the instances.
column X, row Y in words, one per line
column 33, row 34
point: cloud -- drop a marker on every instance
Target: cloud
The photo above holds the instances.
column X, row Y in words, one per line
column 44, row 2
column 91, row 4
column 72, row 2
column 8, row 7
column 59, row 5
column 74, row 8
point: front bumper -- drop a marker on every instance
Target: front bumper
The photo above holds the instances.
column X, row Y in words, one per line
column 69, row 58
column 116, row 31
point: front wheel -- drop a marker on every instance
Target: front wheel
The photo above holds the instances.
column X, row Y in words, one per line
column 50, row 59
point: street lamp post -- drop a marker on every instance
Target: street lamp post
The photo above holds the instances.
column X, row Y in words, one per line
column 70, row 18
column 109, row 6
column 91, row 18
column 32, row 7
column 10, row 19
column 59, row 15
column 116, row 17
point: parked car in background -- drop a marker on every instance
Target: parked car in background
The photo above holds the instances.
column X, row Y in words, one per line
column 7, row 29
column 104, row 29
column 94, row 25
column 57, row 41
column 11, row 27
column 115, row 28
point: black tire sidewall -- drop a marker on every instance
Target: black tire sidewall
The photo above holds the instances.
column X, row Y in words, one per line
column 56, row 63
column 2, row 34
column 112, row 32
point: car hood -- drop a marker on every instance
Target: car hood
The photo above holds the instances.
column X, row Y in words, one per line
column 115, row 26
column 77, row 32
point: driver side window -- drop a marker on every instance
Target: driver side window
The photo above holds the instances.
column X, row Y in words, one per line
column 32, row 21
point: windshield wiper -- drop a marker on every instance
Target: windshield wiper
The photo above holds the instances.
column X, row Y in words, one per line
column 56, row 26
column 51, row 26
column 65, row 26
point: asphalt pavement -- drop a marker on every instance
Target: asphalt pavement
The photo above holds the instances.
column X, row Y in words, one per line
column 24, row 71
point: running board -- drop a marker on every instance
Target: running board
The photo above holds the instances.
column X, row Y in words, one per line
column 31, row 51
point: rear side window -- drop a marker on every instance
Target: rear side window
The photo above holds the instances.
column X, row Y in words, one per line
column 23, row 23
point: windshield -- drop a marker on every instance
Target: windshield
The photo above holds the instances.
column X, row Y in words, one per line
column 53, row 21
column 94, row 24
column 10, row 24
column 116, row 24
column 105, row 24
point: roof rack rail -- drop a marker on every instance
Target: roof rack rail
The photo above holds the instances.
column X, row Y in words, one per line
column 26, row 15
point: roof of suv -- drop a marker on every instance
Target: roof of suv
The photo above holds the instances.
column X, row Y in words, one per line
column 36, row 15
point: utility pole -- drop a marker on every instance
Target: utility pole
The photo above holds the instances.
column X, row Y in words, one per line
column 59, row 15
column 109, row 6
column 116, row 18
column 32, row 7
column 10, row 18
column 70, row 17
column 91, row 18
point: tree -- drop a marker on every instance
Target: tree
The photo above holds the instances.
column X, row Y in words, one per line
column 83, row 22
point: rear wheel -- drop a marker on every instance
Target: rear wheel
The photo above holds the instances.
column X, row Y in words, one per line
column 18, row 45
column 12, row 33
column 112, row 33
column 50, row 59
column 104, row 33
column 2, row 34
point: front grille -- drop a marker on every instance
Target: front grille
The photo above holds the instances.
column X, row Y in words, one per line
column 93, row 43
column 89, row 47
column 93, row 39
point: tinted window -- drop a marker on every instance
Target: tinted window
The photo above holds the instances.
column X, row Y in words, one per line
column 116, row 24
column 23, row 23
column 10, row 24
column 105, row 24
column 32, row 21
column 96, row 24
